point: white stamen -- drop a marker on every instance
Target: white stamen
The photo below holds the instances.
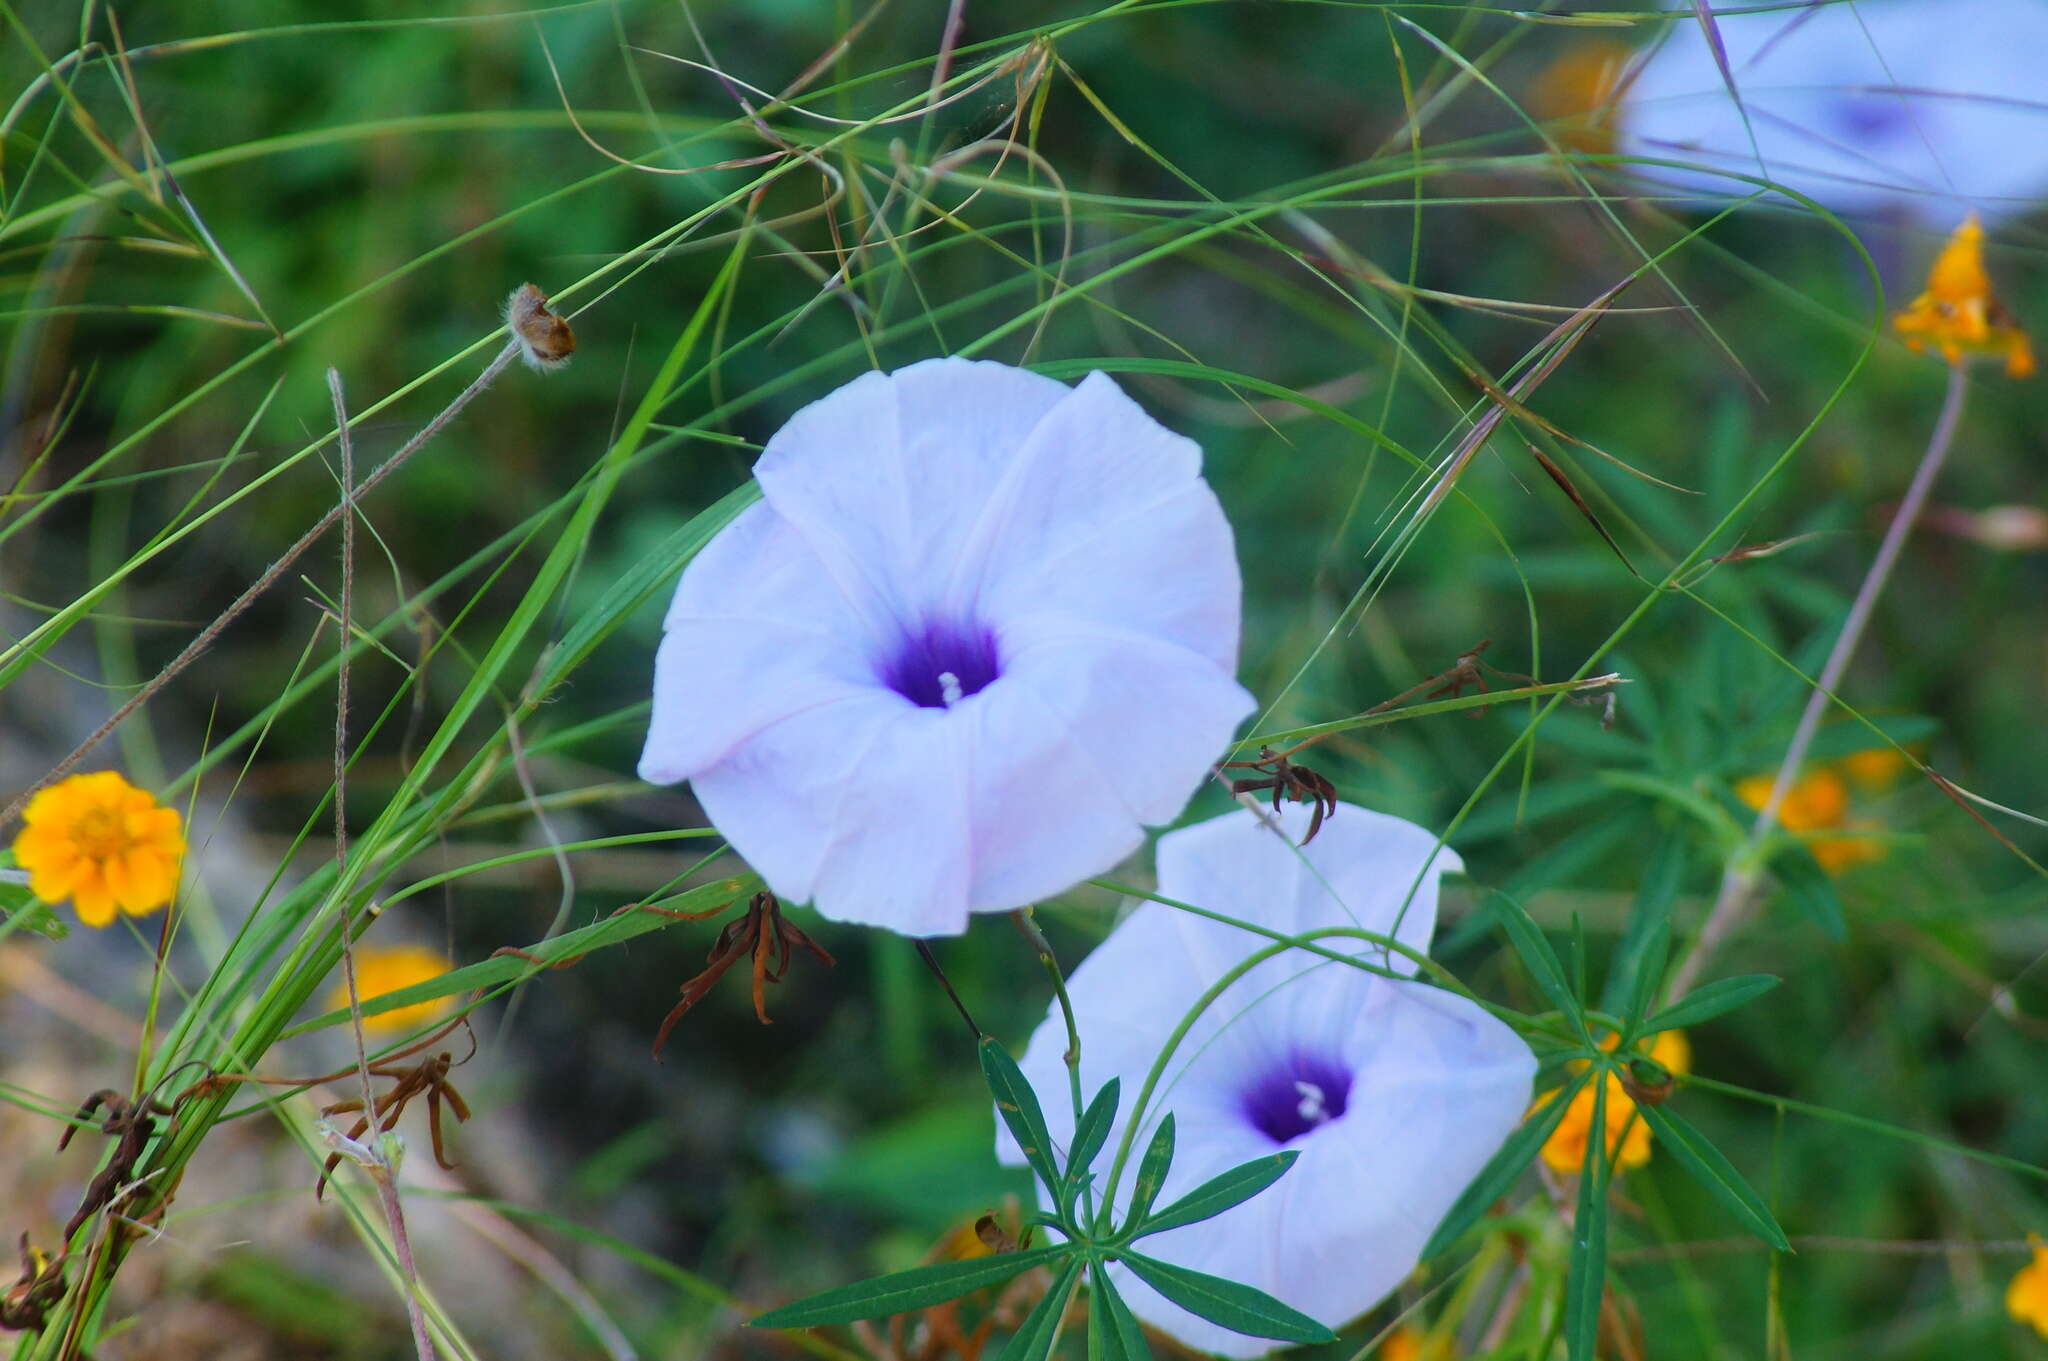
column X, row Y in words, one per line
column 949, row 688
column 1311, row 1106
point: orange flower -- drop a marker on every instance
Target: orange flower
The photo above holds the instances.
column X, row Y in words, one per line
column 1577, row 93
column 102, row 843
column 382, row 969
column 1628, row 1135
column 1958, row 314
column 1410, row 1343
column 1816, row 807
column 2026, row 1299
column 1877, row 768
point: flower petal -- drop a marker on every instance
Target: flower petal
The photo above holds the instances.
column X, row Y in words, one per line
column 1150, row 715
column 1104, row 517
column 886, row 477
column 91, row 896
column 755, row 634
column 856, row 806
column 1447, row 1084
column 1364, row 869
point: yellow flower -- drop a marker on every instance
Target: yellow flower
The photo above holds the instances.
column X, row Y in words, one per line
column 1577, row 93
column 381, row 969
column 1817, row 807
column 1410, row 1343
column 1958, row 314
column 1877, row 768
column 102, row 843
column 1628, row 1135
column 2026, row 1299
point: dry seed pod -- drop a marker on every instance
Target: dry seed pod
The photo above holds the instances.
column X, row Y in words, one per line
column 545, row 340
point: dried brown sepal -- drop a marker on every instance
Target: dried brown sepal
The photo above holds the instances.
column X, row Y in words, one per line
column 763, row 933
column 1287, row 780
column 131, row 1124
column 545, row 340
column 428, row 1078
column 41, row 1284
column 1647, row 1082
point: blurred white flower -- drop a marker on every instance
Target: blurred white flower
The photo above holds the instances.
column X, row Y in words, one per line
column 980, row 631
column 1927, row 106
column 1394, row 1093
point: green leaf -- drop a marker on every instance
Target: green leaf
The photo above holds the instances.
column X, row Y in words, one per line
column 1586, row 1286
column 1227, row 1304
column 21, row 910
column 1091, row 1131
column 1698, row 1156
column 1809, row 887
column 1018, row 1106
column 1152, row 1170
column 1034, row 1341
column 1705, row 1003
column 1539, row 958
column 918, row 1288
column 1501, row 1171
column 1124, row 1339
column 1637, row 968
column 1221, row 1192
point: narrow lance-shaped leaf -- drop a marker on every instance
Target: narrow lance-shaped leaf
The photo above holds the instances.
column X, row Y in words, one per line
column 1541, row 960
column 1705, row 1003
column 1152, row 1169
column 1092, row 1130
column 1034, row 1341
column 1692, row 1151
column 1227, row 1304
column 1586, row 1287
column 1221, row 1192
column 1018, row 1107
column 1500, row 1172
column 1129, row 1338
column 918, row 1288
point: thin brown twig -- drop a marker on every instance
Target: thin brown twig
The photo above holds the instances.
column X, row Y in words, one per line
column 1739, row 882
column 381, row 1173
column 242, row 602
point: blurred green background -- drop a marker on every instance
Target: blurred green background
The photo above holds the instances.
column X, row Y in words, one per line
column 382, row 182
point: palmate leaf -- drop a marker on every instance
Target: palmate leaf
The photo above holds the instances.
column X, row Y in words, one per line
column 918, row 1288
column 1034, row 1341
column 1219, row 1193
column 1018, row 1106
column 1227, row 1304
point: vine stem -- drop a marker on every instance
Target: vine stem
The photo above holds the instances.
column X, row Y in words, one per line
column 1739, row 881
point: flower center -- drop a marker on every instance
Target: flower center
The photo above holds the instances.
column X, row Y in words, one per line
column 99, row 834
column 1301, row 1093
column 942, row 663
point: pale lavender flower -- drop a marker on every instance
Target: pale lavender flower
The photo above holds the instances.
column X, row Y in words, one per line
column 979, row 632
column 1394, row 1093
column 1927, row 106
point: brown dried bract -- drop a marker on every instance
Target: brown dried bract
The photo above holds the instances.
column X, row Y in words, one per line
column 428, row 1078
column 762, row 932
column 41, row 1285
column 131, row 1124
column 545, row 340
column 1290, row 781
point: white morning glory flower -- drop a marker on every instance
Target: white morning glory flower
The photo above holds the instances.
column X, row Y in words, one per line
column 1393, row 1092
column 1926, row 106
column 979, row 632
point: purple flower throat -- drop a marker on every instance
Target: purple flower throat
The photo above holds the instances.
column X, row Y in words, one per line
column 940, row 663
column 1295, row 1095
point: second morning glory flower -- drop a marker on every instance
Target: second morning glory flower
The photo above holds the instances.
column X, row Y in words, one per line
column 979, row 632
column 1393, row 1092
column 1882, row 104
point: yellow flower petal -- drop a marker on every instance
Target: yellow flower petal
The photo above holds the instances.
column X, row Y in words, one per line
column 1958, row 314
column 103, row 843
column 91, row 896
